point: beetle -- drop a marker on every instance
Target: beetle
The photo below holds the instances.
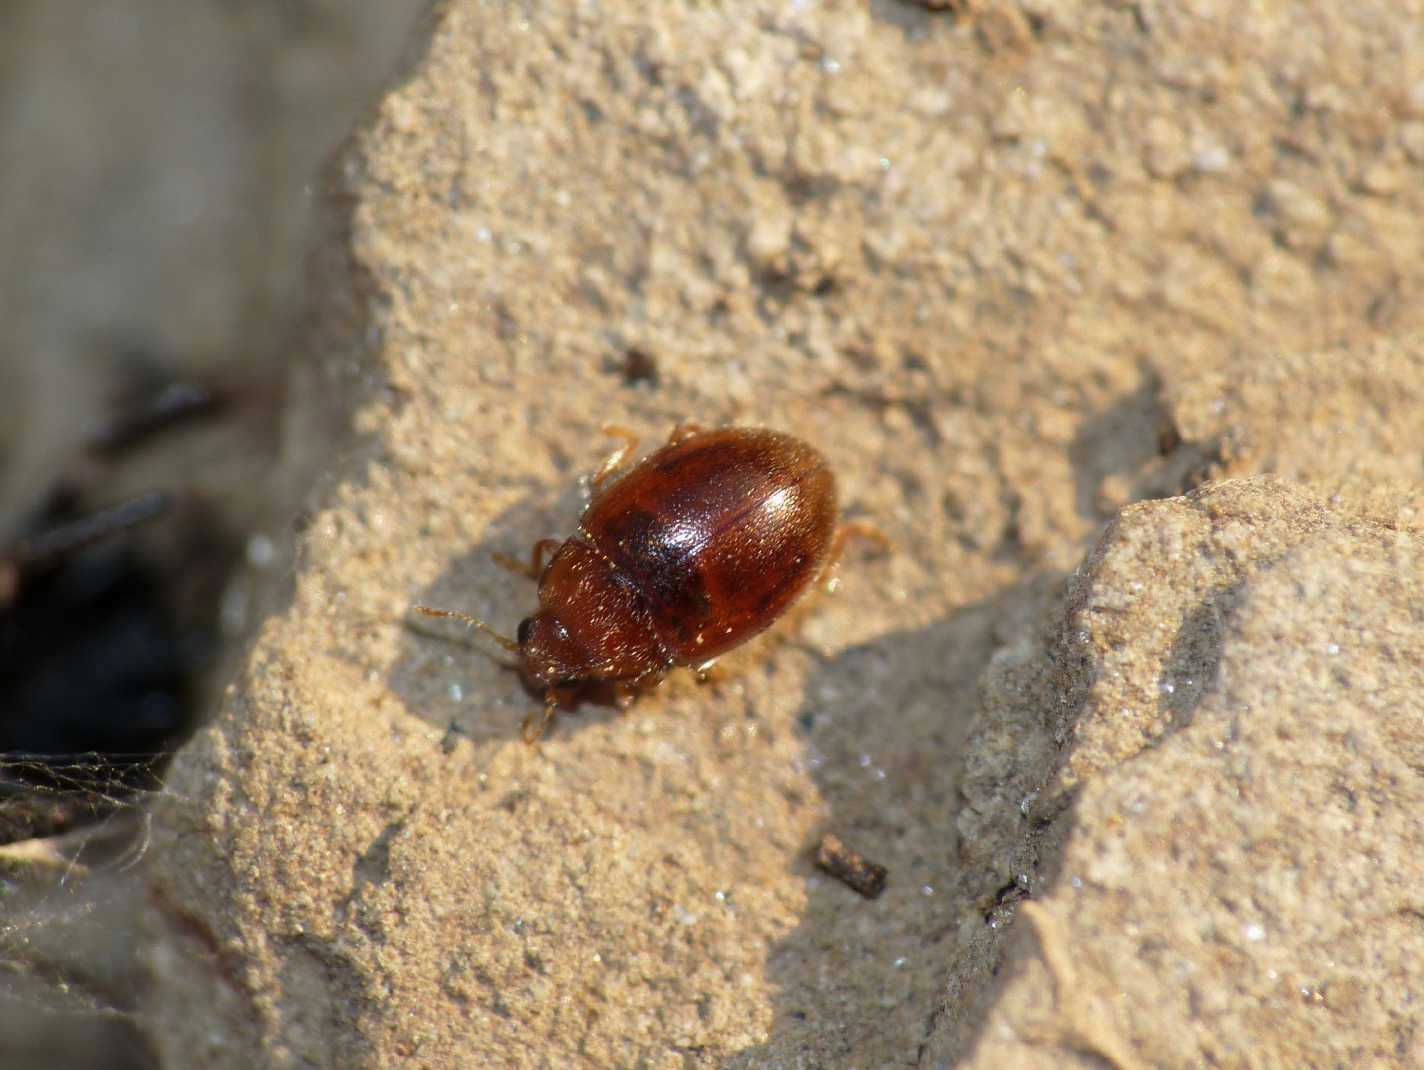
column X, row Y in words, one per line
column 692, row 552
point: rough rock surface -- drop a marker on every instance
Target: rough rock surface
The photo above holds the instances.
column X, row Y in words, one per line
column 990, row 264
column 1237, row 880
column 1343, row 421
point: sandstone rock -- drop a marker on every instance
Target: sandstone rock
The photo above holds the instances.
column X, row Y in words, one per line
column 1224, row 798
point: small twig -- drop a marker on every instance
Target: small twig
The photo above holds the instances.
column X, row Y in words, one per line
column 69, row 538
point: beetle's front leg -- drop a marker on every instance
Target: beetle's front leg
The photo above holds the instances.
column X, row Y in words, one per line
column 536, row 724
column 535, row 568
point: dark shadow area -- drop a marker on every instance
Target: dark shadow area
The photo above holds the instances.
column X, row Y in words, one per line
column 73, row 1041
column 977, row 971
column 861, row 981
column 1132, row 451
column 915, row 19
column 111, row 641
column 1118, row 443
column 102, row 646
column 1194, row 660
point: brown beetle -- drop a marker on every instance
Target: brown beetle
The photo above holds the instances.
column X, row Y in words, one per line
column 692, row 552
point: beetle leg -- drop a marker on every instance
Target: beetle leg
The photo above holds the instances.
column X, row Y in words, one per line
column 851, row 529
column 686, row 429
column 705, row 671
column 473, row 622
column 536, row 724
column 617, row 457
column 535, row 568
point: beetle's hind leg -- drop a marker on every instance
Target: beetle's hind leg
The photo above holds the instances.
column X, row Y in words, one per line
column 686, row 429
column 535, row 568
column 851, row 529
column 619, row 456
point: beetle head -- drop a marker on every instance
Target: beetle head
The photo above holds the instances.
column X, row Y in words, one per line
column 551, row 657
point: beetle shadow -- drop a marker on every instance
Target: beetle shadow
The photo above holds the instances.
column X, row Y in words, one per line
column 885, row 738
column 460, row 680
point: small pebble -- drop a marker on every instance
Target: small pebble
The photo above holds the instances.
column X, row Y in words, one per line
column 850, row 867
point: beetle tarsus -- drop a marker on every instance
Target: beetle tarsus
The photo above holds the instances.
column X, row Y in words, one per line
column 850, row 529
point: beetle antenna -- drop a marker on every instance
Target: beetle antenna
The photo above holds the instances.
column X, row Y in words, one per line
column 473, row 622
